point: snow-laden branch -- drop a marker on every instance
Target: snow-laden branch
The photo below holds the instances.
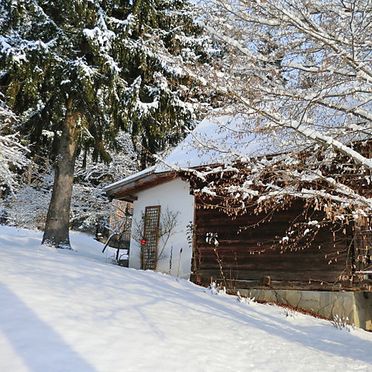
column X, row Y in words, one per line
column 336, row 188
column 310, row 133
column 334, row 41
column 12, row 152
column 290, row 63
column 12, row 157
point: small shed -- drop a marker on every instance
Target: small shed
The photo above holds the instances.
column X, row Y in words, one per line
column 174, row 233
column 163, row 210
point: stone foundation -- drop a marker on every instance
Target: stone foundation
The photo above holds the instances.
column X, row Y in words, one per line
column 356, row 306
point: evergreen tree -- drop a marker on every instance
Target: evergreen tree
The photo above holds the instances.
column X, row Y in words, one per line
column 76, row 72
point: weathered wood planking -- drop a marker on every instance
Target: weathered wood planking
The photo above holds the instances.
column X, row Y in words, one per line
column 250, row 256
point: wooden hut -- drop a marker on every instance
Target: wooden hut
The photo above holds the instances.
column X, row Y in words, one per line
column 328, row 273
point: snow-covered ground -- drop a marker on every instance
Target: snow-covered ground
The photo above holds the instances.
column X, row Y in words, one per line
column 74, row 311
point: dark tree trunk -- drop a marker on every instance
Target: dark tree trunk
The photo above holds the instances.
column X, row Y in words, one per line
column 56, row 231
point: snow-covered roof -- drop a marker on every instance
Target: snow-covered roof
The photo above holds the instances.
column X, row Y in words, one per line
column 220, row 139
column 215, row 140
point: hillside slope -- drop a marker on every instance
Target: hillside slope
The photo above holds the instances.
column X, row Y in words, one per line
column 74, row 311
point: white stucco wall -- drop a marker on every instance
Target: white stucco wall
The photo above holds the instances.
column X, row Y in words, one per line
column 176, row 254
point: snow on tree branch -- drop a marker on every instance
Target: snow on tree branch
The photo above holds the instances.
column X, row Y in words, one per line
column 12, row 153
column 297, row 64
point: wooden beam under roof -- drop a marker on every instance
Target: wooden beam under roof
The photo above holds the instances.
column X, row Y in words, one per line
column 127, row 190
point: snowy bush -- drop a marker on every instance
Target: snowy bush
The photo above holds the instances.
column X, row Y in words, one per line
column 12, row 153
column 341, row 322
column 28, row 206
column 216, row 289
column 245, row 300
column 289, row 312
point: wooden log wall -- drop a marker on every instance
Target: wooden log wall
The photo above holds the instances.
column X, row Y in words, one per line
column 237, row 263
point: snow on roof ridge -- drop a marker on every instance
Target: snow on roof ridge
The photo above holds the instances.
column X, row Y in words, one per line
column 219, row 139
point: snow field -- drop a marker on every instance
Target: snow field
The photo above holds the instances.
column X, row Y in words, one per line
column 75, row 311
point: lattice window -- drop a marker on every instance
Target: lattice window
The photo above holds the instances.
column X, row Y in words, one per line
column 151, row 237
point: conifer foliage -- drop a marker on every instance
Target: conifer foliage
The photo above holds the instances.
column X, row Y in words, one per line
column 78, row 72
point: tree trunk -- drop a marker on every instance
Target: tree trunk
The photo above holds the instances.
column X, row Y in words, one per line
column 56, row 231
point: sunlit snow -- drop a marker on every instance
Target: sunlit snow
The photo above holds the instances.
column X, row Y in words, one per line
column 75, row 311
